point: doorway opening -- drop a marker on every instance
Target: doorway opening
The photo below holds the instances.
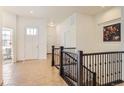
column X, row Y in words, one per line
column 7, row 45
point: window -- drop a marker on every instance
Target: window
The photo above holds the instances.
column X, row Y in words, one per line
column 31, row 31
column 6, row 37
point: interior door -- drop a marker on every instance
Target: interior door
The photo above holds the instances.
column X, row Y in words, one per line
column 31, row 43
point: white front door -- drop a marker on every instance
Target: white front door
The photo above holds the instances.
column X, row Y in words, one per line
column 31, row 43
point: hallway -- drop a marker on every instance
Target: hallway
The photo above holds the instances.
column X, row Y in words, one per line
column 32, row 73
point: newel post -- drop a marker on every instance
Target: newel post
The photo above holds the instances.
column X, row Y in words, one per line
column 79, row 70
column 61, row 60
column 94, row 79
column 53, row 55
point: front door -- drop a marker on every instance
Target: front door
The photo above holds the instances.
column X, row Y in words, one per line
column 31, row 43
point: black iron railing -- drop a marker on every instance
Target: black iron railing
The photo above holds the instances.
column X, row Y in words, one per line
column 86, row 77
column 69, row 67
column 89, row 69
column 56, row 55
column 74, row 72
column 106, row 65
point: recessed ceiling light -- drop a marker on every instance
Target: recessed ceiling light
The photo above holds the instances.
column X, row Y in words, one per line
column 31, row 12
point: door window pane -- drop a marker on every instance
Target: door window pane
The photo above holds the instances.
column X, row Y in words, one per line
column 31, row 31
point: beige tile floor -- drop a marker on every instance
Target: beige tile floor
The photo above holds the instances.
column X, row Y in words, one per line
column 32, row 73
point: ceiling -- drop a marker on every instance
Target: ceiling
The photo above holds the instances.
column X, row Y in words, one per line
column 54, row 13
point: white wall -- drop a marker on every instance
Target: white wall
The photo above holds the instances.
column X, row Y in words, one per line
column 108, row 17
column 51, row 38
column 77, row 31
column 66, row 32
column 113, row 13
column 9, row 20
column 22, row 23
column 86, row 33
